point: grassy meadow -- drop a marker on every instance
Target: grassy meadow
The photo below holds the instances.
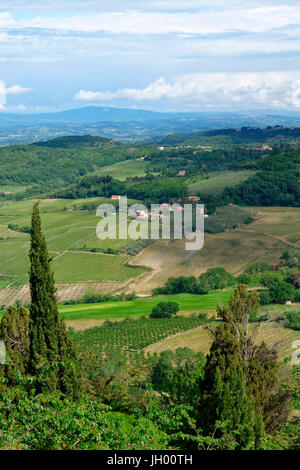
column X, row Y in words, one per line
column 190, row 303
column 218, row 181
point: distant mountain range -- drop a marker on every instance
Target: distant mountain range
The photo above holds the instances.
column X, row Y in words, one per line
column 130, row 124
column 87, row 115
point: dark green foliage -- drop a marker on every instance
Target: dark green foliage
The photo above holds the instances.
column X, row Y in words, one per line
column 46, row 422
column 161, row 190
column 277, row 183
column 212, row 279
column 216, row 278
column 95, row 298
column 178, row 374
column 75, row 141
column 52, row 354
column 244, row 279
column 266, row 189
column 264, row 297
column 14, row 332
column 279, row 291
column 164, row 310
column 181, row 284
column 93, row 186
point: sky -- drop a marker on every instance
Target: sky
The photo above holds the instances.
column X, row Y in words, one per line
column 164, row 55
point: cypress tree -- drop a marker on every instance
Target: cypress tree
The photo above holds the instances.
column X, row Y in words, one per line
column 52, row 353
column 240, row 375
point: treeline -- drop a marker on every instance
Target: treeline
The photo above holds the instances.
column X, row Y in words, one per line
column 194, row 160
column 159, row 191
column 212, row 279
column 244, row 136
column 77, row 141
column 266, row 189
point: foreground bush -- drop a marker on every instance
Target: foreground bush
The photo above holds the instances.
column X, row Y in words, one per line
column 48, row 422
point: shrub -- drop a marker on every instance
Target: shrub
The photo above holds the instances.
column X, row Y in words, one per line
column 293, row 320
column 258, row 267
column 164, row 310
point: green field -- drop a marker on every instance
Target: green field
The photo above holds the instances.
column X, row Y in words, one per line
column 123, row 170
column 72, row 267
column 219, row 180
column 143, row 306
column 13, row 189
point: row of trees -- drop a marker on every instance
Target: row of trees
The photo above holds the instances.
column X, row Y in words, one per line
column 212, row 279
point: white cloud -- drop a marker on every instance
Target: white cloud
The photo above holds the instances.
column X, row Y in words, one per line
column 212, row 21
column 269, row 90
column 6, row 19
column 142, row 5
column 16, row 90
column 12, row 90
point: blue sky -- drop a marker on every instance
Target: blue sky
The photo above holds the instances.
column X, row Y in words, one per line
column 161, row 55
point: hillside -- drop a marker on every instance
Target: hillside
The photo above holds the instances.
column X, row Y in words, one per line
column 274, row 230
column 59, row 162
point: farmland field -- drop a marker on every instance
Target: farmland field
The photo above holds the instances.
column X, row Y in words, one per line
column 13, row 189
column 264, row 240
column 198, row 339
column 133, row 335
column 219, row 180
column 80, row 265
column 70, row 234
column 72, row 267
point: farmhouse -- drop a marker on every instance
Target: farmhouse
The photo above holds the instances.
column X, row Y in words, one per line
column 193, row 198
